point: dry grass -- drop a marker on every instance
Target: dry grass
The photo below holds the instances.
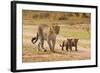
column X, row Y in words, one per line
column 72, row 24
column 31, row 53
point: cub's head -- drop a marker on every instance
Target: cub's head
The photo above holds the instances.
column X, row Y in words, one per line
column 76, row 40
column 69, row 41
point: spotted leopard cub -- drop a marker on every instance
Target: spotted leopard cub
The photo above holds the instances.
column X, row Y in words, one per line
column 69, row 43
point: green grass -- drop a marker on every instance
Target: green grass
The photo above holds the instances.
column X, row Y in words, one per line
column 66, row 31
column 76, row 33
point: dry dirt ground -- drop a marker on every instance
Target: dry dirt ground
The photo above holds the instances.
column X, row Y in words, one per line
column 31, row 53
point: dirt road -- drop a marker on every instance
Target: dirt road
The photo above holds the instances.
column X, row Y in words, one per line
column 31, row 53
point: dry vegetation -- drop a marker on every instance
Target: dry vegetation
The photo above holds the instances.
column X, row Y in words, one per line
column 75, row 25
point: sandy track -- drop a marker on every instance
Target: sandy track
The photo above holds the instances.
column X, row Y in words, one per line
column 31, row 53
